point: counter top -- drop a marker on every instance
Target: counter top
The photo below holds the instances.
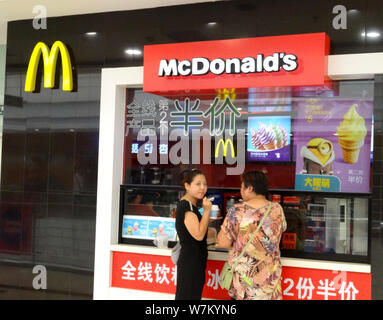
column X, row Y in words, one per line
column 222, row 256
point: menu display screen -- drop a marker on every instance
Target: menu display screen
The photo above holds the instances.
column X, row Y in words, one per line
column 268, row 138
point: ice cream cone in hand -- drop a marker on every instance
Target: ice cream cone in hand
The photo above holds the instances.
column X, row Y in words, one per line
column 351, row 133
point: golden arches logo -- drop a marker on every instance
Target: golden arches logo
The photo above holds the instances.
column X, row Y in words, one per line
column 49, row 61
column 225, row 144
column 224, row 93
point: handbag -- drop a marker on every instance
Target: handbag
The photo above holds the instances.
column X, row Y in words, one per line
column 227, row 272
column 175, row 254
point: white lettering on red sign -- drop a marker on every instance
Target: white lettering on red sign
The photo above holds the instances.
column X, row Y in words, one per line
column 201, row 66
column 326, row 288
column 145, row 272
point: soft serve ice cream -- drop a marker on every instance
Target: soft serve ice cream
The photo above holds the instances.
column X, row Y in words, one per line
column 269, row 137
column 351, row 133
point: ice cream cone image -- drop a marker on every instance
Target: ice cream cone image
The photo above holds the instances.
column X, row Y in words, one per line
column 267, row 137
column 154, row 231
column 278, row 136
column 285, row 136
column 350, row 150
column 351, row 133
column 255, row 139
column 270, row 146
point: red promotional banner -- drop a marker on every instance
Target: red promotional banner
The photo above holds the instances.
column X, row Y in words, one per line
column 159, row 274
column 293, row 60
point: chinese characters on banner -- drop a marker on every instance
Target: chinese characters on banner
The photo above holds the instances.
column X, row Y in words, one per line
column 186, row 116
column 158, row 274
column 141, row 117
column 332, row 142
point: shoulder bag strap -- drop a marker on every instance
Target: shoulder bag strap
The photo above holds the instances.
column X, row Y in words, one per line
column 253, row 235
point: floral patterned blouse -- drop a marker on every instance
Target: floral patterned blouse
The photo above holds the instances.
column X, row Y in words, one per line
column 261, row 261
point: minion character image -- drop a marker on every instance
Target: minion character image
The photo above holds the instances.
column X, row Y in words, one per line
column 130, row 230
column 318, row 156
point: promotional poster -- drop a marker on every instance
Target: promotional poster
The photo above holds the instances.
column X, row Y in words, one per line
column 268, row 138
column 143, row 227
column 332, row 140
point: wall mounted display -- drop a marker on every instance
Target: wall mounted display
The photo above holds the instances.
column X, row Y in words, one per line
column 333, row 141
column 268, row 138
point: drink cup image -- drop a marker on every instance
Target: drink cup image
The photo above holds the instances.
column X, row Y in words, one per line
column 154, row 231
column 160, row 228
column 135, row 226
column 129, row 230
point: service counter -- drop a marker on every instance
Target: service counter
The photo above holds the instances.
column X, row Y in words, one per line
column 143, row 272
column 326, row 249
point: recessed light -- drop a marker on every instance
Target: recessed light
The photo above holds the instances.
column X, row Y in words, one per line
column 371, row 34
column 211, row 24
column 91, row 34
column 353, row 11
column 133, row 52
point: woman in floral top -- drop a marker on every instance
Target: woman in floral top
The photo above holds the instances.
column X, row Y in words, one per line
column 261, row 261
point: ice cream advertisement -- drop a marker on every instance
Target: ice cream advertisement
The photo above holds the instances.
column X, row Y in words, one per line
column 141, row 227
column 268, row 138
column 332, row 142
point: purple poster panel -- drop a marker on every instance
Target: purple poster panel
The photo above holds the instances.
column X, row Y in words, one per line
column 332, row 142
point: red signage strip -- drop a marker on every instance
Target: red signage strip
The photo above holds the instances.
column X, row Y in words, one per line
column 294, row 60
column 159, row 274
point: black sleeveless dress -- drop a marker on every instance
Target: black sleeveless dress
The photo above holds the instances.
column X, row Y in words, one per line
column 192, row 260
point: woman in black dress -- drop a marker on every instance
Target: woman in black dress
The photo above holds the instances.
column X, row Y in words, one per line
column 192, row 232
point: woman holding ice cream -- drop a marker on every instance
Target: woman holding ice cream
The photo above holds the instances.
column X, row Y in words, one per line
column 192, row 232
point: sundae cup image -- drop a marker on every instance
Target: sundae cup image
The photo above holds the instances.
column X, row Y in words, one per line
column 154, row 231
column 161, row 228
column 318, row 156
column 129, row 230
column 135, row 226
column 267, row 137
column 255, row 141
column 351, row 133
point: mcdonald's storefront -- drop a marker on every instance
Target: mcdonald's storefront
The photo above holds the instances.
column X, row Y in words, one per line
column 224, row 107
column 95, row 146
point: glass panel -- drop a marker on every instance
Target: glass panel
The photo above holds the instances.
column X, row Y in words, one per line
column 318, row 224
column 301, row 132
column 314, row 143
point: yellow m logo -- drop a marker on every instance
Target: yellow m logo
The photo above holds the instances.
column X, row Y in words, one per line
column 50, row 61
column 224, row 147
